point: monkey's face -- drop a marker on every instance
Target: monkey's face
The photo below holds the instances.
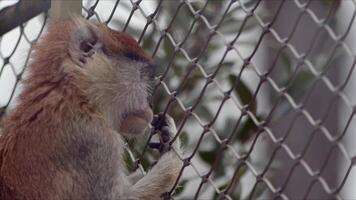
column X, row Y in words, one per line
column 115, row 74
column 134, row 80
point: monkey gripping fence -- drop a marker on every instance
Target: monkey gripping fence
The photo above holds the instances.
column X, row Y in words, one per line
column 276, row 171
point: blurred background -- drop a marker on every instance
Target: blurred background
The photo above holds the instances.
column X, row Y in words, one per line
column 261, row 91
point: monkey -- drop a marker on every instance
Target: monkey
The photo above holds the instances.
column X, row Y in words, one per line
column 87, row 87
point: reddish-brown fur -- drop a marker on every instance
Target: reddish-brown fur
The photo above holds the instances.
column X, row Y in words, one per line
column 48, row 91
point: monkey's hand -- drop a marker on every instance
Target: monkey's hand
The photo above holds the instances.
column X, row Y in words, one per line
column 159, row 181
column 164, row 125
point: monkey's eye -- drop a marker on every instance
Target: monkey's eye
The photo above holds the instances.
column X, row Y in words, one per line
column 135, row 57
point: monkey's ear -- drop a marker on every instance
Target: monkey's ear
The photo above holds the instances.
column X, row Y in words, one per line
column 86, row 39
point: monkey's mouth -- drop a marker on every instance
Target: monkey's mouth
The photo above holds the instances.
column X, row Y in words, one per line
column 137, row 121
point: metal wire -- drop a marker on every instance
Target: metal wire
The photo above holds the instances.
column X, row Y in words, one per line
column 264, row 128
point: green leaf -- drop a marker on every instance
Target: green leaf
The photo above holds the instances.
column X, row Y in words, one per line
column 247, row 130
column 230, row 25
column 300, row 83
column 180, row 188
column 330, row 2
column 243, row 92
column 236, row 187
column 184, row 139
column 286, row 61
column 229, row 124
column 208, row 156
column 204, row 112
column 258, row 190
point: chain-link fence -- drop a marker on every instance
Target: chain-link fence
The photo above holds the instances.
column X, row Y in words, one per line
column 261, row 91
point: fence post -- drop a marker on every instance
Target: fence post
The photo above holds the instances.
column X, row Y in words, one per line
column 62, row 10
column 10, row 18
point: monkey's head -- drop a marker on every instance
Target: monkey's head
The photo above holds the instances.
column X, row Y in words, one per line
column 110, row 69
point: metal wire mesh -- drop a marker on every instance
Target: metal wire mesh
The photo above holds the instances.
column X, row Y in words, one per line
column 190, row 47
column 13, row 73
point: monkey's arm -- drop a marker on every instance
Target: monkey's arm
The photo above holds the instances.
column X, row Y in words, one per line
column 160, row 179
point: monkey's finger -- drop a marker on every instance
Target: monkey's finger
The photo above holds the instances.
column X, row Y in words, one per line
column 170, row 123
column 154, row 145
column 171, row 129
column 166, row 135
column 161, row 147
column 158, row 121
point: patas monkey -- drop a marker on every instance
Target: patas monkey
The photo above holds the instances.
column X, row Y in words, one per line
column 86, row 84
